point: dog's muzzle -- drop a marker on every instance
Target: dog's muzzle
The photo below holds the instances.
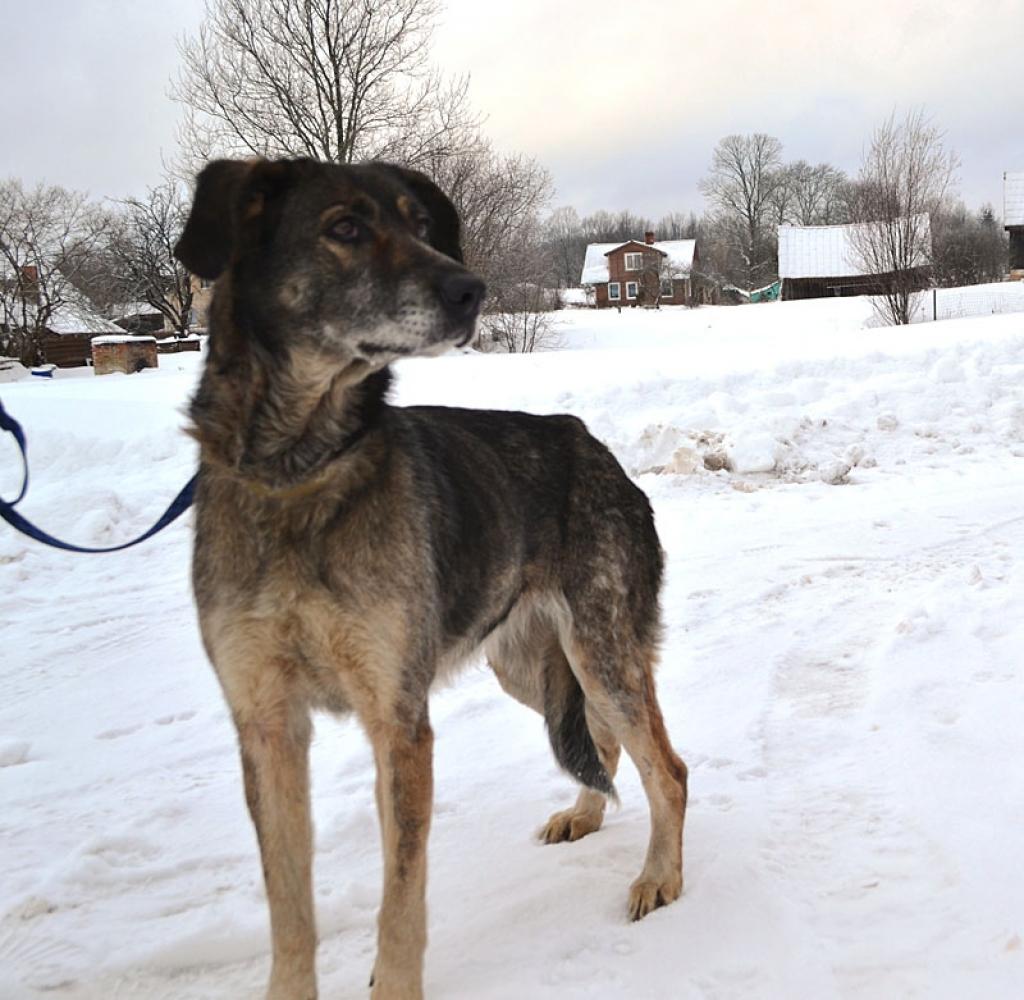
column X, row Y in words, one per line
column 461, row 296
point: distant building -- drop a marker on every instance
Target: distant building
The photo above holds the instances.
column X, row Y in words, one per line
column 66, row 334
column 202, row 297
column 820, row 261
column 67, row 342
column 138, row 317
column 638, row 273
column 1013, row 219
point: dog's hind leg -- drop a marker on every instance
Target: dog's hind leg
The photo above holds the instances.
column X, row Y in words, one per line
column 530, row 665
column 617, row 678
column 587, row 814
column 273, row 734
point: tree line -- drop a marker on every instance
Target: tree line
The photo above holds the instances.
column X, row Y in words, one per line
column 750, row 190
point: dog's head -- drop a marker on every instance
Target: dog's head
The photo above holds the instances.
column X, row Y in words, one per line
column 360, row 262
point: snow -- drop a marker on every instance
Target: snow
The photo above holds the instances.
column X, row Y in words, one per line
column 11, row 369
column 595, row 263
column 1013, row 198
column 841, row 670
column 573, row 297
column 126, row 338
column 829, row 251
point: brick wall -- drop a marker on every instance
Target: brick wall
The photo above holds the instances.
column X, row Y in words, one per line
column 125, row 356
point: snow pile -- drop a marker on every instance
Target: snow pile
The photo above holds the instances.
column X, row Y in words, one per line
column 841, row 512
column 11, row 370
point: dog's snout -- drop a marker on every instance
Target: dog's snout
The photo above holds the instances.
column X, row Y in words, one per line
column 462, row 294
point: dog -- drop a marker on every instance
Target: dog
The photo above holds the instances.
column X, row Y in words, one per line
column 350, row 553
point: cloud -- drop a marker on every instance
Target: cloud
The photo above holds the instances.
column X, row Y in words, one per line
column 623, row 104
column 591, row 89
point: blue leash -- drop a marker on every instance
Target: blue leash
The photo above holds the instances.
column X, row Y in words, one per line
column 178, row 506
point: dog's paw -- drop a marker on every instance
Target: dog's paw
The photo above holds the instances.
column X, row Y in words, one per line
column 647, row 894
column 570, row 824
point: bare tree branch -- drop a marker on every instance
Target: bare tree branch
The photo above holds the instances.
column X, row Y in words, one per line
column 340, row 80
column 47, row 237
column 904, row 180
column 744, row 177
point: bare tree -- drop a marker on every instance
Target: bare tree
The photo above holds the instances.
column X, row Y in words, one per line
column 566, row 244
column 809, row 196
column 968, row 247
column 518, row 318
column 612, row 227
column 141, row 248
column 499, row 200
column 677, row 226
column 47, row 236
column 658, row 272
column 816, row 194
column 523, row 324
column 744, row 177
column 340, row 80
column 904, row 179
column 351, row 80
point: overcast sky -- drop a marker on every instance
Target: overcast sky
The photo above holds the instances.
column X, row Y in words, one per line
column 623, row 108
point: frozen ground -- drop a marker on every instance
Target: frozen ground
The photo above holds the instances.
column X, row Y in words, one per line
column 842, row 671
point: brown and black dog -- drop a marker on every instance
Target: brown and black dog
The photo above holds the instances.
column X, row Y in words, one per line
column 348, row 552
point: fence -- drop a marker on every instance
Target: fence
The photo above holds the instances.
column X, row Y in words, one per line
column 972, row 300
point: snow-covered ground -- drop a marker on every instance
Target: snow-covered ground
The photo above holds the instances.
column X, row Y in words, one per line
column 842, row 671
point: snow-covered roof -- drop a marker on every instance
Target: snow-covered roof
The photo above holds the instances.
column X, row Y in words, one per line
column 1013, row 198
column 78, row 317
column 124, row 338
column 595, row 264
column 826, row 251
column 134, row 309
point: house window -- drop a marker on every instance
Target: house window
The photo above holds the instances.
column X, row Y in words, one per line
column 614, row 291
column 634, row 261
column 630, row 289
column 666, row 288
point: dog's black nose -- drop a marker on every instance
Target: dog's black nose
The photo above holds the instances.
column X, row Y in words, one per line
column 462, row 295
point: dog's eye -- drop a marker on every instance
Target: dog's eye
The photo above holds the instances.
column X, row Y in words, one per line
column 422, row 228
column 345, row 231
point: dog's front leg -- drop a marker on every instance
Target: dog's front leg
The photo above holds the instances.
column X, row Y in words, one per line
column 404, row 758
column 274, row 742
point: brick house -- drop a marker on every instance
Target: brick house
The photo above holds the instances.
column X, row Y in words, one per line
column 1013, row 220
column 635, row 273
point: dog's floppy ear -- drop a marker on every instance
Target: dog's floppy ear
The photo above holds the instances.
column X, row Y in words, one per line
column 206, row 243
column 228, row 192
column 445, row 231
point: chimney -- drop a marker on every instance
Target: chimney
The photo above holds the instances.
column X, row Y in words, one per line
column 30, row 283
column 648, row 237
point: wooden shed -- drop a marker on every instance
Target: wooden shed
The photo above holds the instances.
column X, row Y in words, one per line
column 69, row 333
column 817, row 262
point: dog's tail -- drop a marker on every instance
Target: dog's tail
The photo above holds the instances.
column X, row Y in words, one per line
column 571, row 739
